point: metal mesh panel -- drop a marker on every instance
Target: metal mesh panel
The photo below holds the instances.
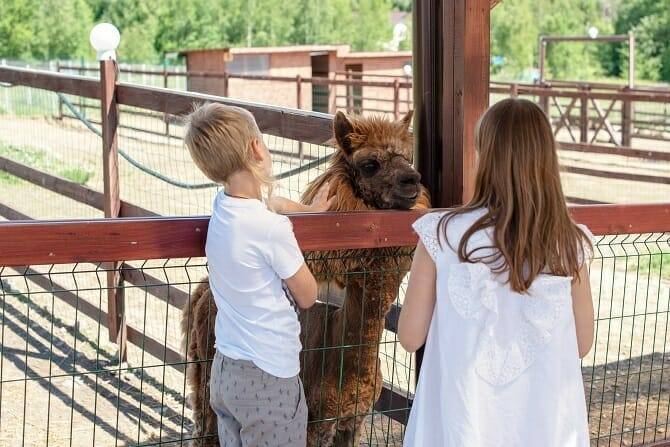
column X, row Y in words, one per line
column 61, row 382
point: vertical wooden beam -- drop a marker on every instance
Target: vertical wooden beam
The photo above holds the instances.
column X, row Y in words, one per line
column 451, row 91
column 298, row 92
column 396, row 99
column 110, row 168
column 226, row 83
column 60, row 102
column 583, row 116
column 165, row 85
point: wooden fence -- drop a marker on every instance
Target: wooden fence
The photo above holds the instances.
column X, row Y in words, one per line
column 585, row 112
column 140, row 238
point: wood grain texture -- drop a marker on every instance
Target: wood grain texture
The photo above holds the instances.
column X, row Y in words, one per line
column 12, row 214
column 48, row 80
column 67, row 188
column 55, row 242
column 308, row 127
column 616, row 150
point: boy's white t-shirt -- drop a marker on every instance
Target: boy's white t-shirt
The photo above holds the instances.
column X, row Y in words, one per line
column 250, row 250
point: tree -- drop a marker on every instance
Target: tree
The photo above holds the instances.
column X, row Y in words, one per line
column 61, row 29
column 514, row 36
column 16, row 30
column 138, row 25
column 649, row 21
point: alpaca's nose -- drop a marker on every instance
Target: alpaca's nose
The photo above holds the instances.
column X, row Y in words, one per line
column 409, row 178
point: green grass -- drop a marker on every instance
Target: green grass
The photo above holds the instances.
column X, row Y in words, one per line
column 37, row 159
column 76, row 175
column 655, row 263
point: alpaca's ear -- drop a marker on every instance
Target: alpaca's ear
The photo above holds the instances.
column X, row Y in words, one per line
column 406, row 121
column 342, row 128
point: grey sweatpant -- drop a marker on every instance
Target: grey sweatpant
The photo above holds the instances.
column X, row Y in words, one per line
column 254, row 408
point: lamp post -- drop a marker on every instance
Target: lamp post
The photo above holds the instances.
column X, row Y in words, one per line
column 105, row 39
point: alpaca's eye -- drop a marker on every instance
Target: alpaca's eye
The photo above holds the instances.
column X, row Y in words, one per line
column 369, row 167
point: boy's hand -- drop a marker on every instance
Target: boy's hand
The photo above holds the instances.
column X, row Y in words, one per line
column 321, row 202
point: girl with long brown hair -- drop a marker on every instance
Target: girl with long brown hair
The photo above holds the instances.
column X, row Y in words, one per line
column 499, row 292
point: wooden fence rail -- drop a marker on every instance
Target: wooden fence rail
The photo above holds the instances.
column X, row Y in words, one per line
column 583, row 98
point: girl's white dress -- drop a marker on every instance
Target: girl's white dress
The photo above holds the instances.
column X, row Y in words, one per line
column 499, row 368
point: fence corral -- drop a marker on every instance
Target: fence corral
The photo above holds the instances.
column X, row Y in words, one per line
column 56, row 306
column 608, row 155
column 61, row 382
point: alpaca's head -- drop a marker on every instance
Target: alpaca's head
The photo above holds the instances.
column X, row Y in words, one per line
column 376, row 155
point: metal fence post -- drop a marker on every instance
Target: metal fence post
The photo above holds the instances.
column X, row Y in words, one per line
column 110, row 165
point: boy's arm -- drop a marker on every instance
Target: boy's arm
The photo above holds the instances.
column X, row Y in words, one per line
column 283, row 205
column 320, row 203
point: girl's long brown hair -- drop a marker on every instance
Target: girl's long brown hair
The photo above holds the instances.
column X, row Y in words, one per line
column 518, row 183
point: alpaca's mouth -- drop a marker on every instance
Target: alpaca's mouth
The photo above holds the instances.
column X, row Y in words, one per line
column 411, row 196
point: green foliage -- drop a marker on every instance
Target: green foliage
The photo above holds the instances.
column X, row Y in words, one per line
column 138, row 24
column 653, row 264
column 649, row 20
column 50, row 29
column 76, row 175
column 61, row 30
column 516, row 26
column 16, row 28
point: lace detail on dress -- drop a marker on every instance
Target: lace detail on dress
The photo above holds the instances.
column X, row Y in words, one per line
column 475, row 294
column 426, row 228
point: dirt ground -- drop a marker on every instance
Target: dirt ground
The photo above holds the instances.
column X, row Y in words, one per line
column 58, row 378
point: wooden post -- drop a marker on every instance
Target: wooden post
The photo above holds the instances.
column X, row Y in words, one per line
column 298, row 102
column 584, row 116
column 110, row 169
column 226, row 79
column 165, row 85
column 396, row 99
column 627, row 105
column 60, row 103
column 626, row 121
column 514, row 90
column 451, row 91
column 298, row 90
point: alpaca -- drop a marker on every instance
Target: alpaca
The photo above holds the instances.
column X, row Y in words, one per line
column 371, row 169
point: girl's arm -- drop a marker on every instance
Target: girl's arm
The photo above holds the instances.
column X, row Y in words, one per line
column 582, row 308
column 417, row 309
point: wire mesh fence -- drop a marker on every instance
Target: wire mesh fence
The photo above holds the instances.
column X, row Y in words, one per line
column 61, row 381
column 60, row 135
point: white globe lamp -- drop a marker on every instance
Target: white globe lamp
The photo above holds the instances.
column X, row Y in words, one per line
column 593, row 32
column 407, row 69
column 105, row 40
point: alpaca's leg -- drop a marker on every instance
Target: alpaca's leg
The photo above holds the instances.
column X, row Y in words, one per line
column 321, row 434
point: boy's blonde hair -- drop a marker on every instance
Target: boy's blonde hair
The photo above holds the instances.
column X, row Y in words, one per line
column 219, row 138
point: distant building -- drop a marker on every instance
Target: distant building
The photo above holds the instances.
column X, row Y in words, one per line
column 307, row 61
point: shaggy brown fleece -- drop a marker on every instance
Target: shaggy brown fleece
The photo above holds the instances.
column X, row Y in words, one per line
column 342, row 384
